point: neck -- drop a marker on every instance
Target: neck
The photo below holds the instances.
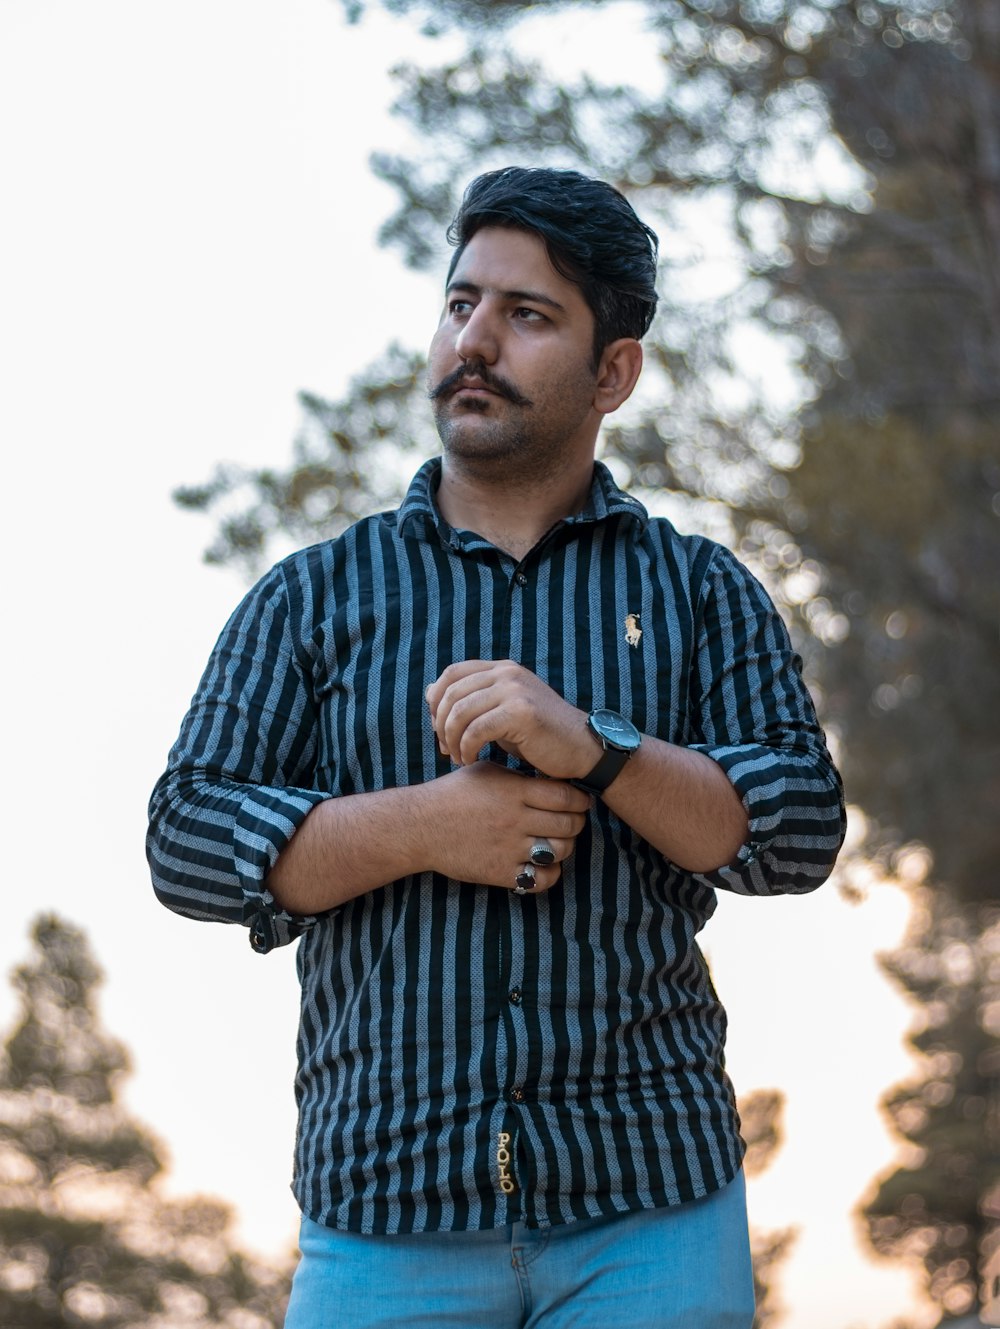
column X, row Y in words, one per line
column 510, row 514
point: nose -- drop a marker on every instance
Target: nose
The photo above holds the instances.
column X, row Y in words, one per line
column 478, row 339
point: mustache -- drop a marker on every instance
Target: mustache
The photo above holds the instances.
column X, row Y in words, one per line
column 477, row 370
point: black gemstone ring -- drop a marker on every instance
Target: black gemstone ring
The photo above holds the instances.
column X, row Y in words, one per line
column 542, row 854
column 525, row 880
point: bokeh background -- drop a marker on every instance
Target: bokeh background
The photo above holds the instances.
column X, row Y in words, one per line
column 221, row 244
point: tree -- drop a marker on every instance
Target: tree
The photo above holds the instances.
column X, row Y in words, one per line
column 345, row 462
column 913, row 418
column 85, row 1237
column 942, row 1204
column 897, row 558
column 872, row 508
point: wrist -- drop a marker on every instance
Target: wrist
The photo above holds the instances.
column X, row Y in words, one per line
column 586, row 750
column 428, row 809
column 616, row 739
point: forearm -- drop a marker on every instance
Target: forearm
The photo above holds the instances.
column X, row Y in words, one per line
column 476, row 824
column 683, row 803
column 351, row 845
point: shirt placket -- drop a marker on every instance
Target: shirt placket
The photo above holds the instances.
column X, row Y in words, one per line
column 517, row 958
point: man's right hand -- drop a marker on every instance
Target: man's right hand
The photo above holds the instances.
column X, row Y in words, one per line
column 487, row 818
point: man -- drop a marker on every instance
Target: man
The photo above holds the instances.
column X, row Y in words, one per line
column 490, row 756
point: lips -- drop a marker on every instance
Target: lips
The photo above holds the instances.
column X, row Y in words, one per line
column 460, row 380
column 468, row 384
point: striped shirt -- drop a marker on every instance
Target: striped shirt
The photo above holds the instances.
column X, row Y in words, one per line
column 468, row 1056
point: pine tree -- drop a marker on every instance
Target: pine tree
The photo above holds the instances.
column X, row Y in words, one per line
column 85, row 1236
column 942, row 1204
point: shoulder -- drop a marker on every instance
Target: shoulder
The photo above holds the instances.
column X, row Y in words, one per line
column 311, row 580
column 349, row 545
column 714, row 579
column 698, row 556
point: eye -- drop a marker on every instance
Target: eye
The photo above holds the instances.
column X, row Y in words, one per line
column 526, row 315
column 460, row 308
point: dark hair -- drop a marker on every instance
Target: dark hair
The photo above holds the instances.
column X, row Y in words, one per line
column 590, row 230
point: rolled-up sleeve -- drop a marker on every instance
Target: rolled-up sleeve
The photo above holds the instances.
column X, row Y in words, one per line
column 758, row 722
column 239, row 779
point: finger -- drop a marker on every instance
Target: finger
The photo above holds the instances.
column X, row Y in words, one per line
column 451, row 675
column 561, row 848
column 555, row 806
column 477, row 721
column 465, row 725
column 460, row 705
column 464, row 701
column 555, row 825
column 526, row 879
column 500, row 678
column 542, row 854
column 557, row 796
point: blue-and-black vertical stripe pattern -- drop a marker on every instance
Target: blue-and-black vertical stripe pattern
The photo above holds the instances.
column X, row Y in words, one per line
column 439, row 1015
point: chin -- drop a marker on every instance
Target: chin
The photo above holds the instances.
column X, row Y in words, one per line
column 478, row 439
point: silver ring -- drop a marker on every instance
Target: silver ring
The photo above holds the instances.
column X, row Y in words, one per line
column 542, row 854
column 525, row 880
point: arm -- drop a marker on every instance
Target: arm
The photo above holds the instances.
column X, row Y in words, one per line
column 754, row 717
column 475, row 824
column 682, row 803
column 677, row 799
column 751, row 804
column 239, row 779
column 240, row 834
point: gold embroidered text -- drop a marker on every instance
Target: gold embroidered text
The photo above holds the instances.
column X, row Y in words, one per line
column 507, row 1183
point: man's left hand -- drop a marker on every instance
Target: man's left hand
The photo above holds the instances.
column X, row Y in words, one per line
column 497, row 701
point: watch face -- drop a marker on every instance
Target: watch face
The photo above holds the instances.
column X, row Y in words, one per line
column 614, row 730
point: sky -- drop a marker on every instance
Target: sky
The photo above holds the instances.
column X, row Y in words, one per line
column 187, row 239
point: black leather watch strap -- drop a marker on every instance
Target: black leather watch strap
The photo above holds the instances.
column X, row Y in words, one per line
column 610, row 765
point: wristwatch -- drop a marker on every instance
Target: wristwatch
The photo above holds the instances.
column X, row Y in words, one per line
column 619, row 738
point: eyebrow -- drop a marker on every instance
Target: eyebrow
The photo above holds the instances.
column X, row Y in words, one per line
column 533, row 297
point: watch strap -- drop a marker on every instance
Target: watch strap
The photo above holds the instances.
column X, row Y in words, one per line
column 607, row 769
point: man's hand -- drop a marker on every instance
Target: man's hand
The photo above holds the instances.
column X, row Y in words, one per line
column 475, row 824
column 497, row 701
column 486, row 819
column 678, row 799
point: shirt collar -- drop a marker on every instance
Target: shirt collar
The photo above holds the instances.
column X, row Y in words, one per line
column 418, row 513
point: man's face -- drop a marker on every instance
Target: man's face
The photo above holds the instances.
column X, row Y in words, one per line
column 510, row 372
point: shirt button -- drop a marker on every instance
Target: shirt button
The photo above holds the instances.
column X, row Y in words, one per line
column 517, row 1095
column 515, row 996
column 520, row 578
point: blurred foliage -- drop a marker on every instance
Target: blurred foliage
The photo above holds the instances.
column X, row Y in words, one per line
column 347, row 459
column 760, row 1125
column 838, row 163
column 943, row 1204
column 899, row 481
column 85, row 1236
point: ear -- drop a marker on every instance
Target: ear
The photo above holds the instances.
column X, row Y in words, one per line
column 619, row 368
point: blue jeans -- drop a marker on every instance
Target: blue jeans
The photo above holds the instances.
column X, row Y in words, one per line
column 681, row 1268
